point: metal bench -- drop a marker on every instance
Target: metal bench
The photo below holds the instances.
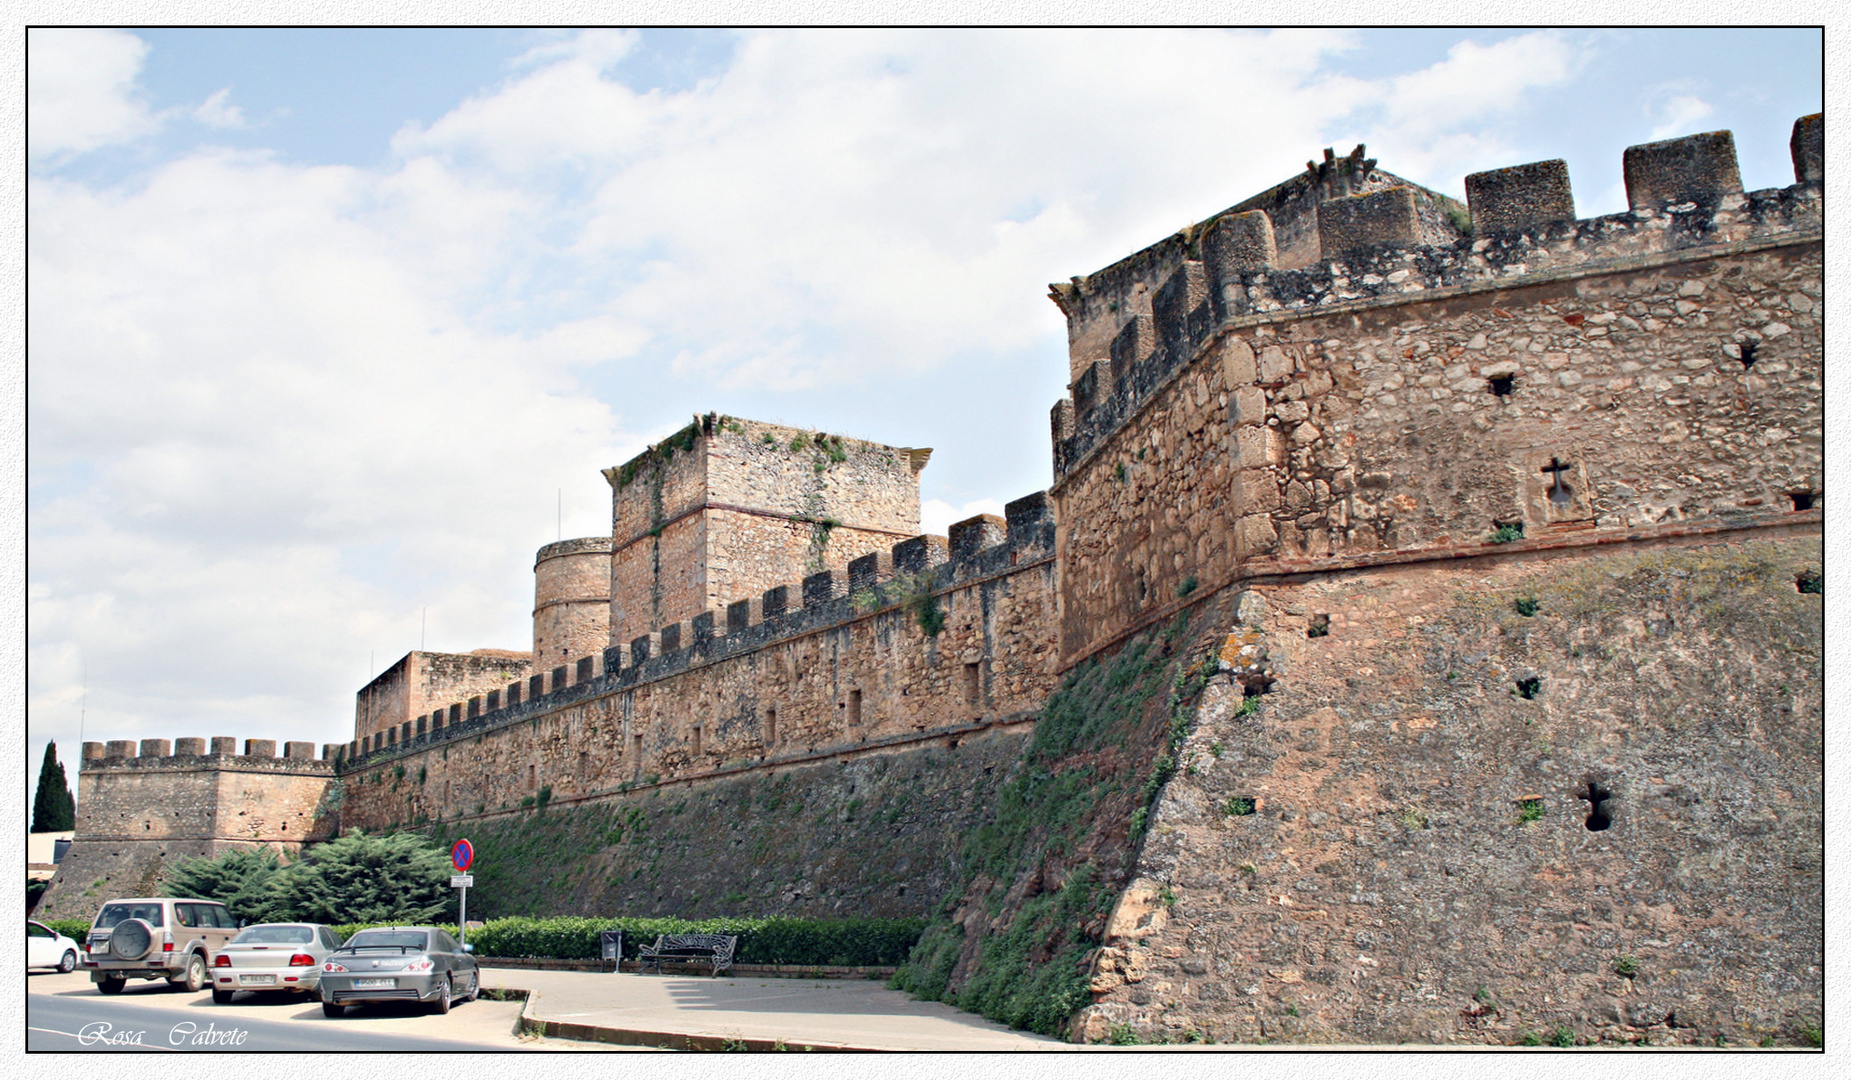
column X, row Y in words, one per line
column 715, row 950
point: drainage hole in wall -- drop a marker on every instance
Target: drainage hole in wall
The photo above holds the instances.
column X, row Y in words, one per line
column 1802, row 500
column 1748, row 353
column 1810, row 581
column 1255, row 685
column 1597, row 817
column 1502, row 385
column 1527, row 689
column 1320, row 626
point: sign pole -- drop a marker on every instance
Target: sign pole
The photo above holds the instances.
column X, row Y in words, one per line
column 462, row 853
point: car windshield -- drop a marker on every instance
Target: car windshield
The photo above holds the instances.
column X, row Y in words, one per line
column 115, row 913
column 387, row 939
column 275, row 935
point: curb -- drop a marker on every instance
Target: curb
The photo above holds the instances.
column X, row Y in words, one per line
column 528, row 1024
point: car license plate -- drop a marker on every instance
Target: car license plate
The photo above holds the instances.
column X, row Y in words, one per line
column 374, row 984
column 257, row 980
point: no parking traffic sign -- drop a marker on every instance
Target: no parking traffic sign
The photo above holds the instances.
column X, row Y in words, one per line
column 462, row 853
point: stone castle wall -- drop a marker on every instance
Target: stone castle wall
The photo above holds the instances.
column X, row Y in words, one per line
column 1399, row 844
column 392, row 708
column 571, row 599
column 840, row 664
column 139, row 809
column 1607, row 374
column 727, row 508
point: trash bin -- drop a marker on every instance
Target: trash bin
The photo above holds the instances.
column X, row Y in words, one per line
column 610, row 947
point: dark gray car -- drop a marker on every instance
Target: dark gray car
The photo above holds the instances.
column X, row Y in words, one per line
column 398, row 963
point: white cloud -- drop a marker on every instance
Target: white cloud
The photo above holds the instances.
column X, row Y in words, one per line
column 216, row 112
column 277, row 410
column 80, row 90
column 1677, row 115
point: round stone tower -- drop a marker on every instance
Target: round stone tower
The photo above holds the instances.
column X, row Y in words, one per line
column 571, row 600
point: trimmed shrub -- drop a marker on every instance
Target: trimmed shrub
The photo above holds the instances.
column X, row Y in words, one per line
column 802, row 942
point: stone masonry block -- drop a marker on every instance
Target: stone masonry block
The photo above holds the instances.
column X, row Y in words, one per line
column 1809, row 149
column 1060, row 419
column 741, row 614
column 94, row 751
column 331, row 751
column 1022, row 516
column 1136, row 340
column 1358, row 222
column 156, row 748
column 920, row 554
column 536, row 686
column 1520, row 197
column 558, row 681
column 1235, row 244
column 1093, row 383
column 702, row 628
column 613, row 659
column 475, row 708
column 669, row 638
column 121, row 748
column 456, row 713
column 776, row 601
column 1255, row 491
column 189, row 747
column 513, row 693
column 299, row 750
column 1254, row 535
column 1248, row 405
column 583, row 670
column 224, row 744
column 820, row 588
column 1238, row 367
column 972, row 535
column 1695, row 168
column 869, row 570
column 260, row 748
column 1173, row 309
column 404, row 732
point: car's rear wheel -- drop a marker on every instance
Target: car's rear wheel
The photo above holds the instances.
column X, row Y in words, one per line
column 194, row 979
column 111, row 986
column 442, row 1004
column 329, row 1008
column 222, row 997
column 68, row 962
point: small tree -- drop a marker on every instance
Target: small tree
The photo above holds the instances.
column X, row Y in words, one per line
column 239, row 879
column 398, row 877
column 53, row 808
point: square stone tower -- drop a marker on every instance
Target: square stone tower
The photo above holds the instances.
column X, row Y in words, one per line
column 726, row 508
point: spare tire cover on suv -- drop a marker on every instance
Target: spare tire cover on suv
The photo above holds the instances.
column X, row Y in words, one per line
column 131, row 939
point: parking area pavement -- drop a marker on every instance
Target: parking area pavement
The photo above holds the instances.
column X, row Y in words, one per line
column 746, row 1012
column 489, row 1024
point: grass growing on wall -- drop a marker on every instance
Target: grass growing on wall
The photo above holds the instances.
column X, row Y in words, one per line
column 1061, row 835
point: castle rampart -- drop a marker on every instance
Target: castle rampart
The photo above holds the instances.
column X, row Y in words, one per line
column 1521, row 384
column 139, row 811
column 935, row 636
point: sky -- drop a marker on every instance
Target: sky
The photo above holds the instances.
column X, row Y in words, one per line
column 329, row 330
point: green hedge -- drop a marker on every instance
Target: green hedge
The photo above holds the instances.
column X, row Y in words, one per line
column 806, row 942
column 75, row 929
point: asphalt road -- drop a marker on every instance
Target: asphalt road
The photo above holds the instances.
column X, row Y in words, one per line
column 65, row 1013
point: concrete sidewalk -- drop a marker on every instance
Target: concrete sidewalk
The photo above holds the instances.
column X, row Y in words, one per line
column 698, row 1012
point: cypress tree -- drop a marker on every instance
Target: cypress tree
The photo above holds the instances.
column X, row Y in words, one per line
column 53, row 808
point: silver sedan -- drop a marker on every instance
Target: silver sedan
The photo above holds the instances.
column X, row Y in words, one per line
column 398, row 963
column 273, row 956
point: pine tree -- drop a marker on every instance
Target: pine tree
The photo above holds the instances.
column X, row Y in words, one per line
column 53, row 808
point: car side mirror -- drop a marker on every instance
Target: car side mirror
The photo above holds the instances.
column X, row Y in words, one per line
column 469, row 948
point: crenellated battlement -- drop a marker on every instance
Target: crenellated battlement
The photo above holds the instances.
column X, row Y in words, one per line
column 977, row 550
column 222, row 751
column 1380, row 247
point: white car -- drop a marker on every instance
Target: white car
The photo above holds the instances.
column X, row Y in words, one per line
column 278, row 957
column 47, row 948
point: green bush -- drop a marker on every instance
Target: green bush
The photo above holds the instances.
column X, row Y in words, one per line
column 803, row 942
column 75, row 929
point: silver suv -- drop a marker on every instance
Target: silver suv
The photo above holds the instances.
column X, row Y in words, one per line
column 156, row 938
